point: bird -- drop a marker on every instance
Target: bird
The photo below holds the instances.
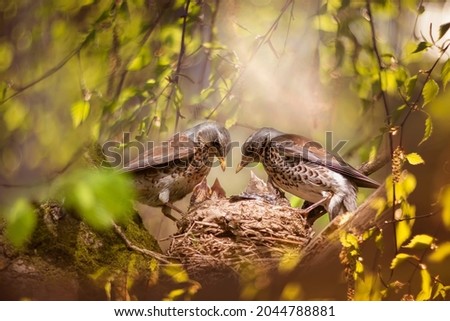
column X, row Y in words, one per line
column 168, row 172
column 302, row 167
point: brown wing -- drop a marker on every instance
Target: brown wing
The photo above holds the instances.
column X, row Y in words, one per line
column 178, row 149
column 300, row 147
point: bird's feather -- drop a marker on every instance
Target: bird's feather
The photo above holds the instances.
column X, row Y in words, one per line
column 297, row 146
column 178, row 149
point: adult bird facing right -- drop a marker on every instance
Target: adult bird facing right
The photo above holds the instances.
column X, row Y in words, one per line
column 167, row 173
column 303, row 168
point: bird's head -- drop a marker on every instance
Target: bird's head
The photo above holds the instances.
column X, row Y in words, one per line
column 216, row 138
column 254, row 146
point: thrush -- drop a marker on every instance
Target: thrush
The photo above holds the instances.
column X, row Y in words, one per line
column 166, row 173
column 303, row 168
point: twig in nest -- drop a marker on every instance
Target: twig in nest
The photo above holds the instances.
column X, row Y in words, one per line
column 131, row 246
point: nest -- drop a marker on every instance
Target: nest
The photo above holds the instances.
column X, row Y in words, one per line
column 256, row 228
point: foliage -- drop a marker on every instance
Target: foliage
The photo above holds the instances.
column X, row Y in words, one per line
column 386, row 77
column 80, row 73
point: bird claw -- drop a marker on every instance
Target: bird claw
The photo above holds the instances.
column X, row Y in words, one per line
column 167, row 209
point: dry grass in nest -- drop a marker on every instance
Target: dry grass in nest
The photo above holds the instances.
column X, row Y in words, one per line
column 256, row 228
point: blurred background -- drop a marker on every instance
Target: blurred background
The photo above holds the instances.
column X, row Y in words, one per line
column 80, row 73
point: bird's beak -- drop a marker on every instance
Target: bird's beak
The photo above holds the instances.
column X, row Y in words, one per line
column 239, row 167
column 223, row 163
column 244, row 162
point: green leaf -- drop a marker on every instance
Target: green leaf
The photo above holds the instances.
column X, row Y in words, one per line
column 379, row 204
column 80, row 111
column 403, row 188
column 443, row 29
column 414, row 159
column 421, row 241
column 176, row 272
column 99, row 197
column 296, row 201
column 445, row 203
column 142, row 59
column 430, row 90
column 21, row 221
column 428, row 129
column 410, row 84
column 349, row 240
column 403, row 232
column 445, row 73
column 427, row 285
column 441, row 253
column 388, row 80
column 379, row 241
column 400, row 258
column 422, row 46
column 326, row 22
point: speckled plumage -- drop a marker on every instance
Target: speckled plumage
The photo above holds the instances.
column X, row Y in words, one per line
column 303, row 168
column 169, row 172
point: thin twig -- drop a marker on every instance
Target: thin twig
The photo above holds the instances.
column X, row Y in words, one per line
column 411, row 218
column 210, row 40
column 157, row 256
column 175, row 78
column 386, row 108
column 412, row 106
column 143, row 41
column 46, row 74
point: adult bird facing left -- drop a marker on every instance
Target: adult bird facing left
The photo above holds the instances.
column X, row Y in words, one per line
column 170, row 171
column 303, row 168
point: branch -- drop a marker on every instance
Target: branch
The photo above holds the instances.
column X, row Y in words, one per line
column 48, row 73
column 326, row 245
column 371, row 167
column 412, row 106
column 174, row 80
column 143, row 41
column 157, row 256
column 386, row 107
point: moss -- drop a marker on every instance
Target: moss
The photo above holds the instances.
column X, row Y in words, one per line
column 65, row 248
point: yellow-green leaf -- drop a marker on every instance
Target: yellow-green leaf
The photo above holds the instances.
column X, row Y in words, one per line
column 99, row 197
column 142, row 59
column 441, row 253
column 292, row 291
column 388, row 80
column 176, row 272
column 400, row 258
column 403, row 232
column 410, row 84
column 428, row 129
column 427, row 285
column 21, row 221
column 326, row 22
column 379, row 204
column 349, row 240
column 445, row 73
column 414, row 159
column 420, row 241
column 379, row 241
column 403, row 188
column 80, row 111
column 174, row 294
column 445, row 203
column 430, row 90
